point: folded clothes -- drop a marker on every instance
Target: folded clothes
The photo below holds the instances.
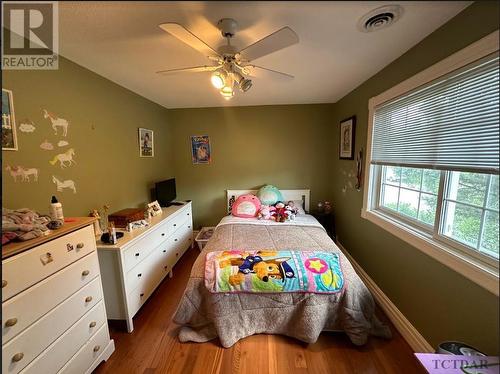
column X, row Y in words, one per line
column 22, row 224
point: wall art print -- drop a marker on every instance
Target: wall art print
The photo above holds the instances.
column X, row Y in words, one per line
column 146, row 143
column 9, row 137
column 200, row 149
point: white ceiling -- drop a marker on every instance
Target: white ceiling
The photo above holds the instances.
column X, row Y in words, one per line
column 122, row 42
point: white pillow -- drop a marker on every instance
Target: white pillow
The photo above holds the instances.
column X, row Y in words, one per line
column 299, row 205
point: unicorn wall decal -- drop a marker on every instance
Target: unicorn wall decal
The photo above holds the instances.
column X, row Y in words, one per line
column 57, row 122
column 60, row 185
column 63, row 158
column 25, row 174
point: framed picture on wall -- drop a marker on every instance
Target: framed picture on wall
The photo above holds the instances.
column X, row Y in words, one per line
column 146, row 143
column 9, row 136
column 200, row 149
column 346, row 140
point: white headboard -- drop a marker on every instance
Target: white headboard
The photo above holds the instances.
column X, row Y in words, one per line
column 303, row 195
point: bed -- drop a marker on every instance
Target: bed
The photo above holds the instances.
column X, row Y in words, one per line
column 203, row 315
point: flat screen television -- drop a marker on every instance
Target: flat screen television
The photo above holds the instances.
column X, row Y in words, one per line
column 165, row 192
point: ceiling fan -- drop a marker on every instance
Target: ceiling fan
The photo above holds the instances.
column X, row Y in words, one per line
column 231, row 66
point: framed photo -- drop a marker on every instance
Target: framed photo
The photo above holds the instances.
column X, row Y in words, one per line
column 346, row 143
column 200, row 148
column 146, row 143
column 9, row 136
column 155, row 208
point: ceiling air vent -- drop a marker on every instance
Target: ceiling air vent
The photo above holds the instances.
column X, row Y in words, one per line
column 380, row 18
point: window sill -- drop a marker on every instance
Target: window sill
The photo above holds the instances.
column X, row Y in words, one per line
column 480, row 273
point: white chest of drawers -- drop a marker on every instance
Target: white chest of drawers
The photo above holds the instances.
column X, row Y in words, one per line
column 135, row 266
column 52, row 303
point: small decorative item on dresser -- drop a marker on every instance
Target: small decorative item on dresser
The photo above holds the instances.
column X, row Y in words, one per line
column 204, row 236
column 123, row 217
column 155, row 208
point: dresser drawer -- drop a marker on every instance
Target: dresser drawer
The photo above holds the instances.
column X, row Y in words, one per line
column 32, row 341
column 28, row 306
column 137, row 297
column 140, row 250
column 22, row 271
column 84, row 358
column 142, row 272
column 58, row 353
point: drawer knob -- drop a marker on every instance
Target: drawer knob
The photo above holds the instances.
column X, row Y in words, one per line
column 88, row 299
column 92, row 324
column 10, row 322
column 96, row 348
column 164, row 251
column 85, row 273
column 165, row 267
column 175, row 224
column 18, row 357
column 189, row 227
column 162, row 234
column 80, row 245
column 4, row 283
column 142, row 295
column 175, row 239
column 139, row 275
column 177, row 254
column 137, row 255
column 188, row 214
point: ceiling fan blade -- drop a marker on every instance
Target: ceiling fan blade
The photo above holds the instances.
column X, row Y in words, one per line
column 254, row 71
column 195, row 69
column 186, row 36
column 280, row 39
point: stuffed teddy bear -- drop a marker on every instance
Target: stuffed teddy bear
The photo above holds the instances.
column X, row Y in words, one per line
column 267, row 212
column 281, row 215
column 291, row 209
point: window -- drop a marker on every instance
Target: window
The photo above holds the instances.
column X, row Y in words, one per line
column 469, row 205
column 433, row 161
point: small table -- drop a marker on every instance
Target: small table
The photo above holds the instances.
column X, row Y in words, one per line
column 327, row 220
column 204, row 236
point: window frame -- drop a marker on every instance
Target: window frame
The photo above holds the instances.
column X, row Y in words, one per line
column 436, row 230
column 477, row 267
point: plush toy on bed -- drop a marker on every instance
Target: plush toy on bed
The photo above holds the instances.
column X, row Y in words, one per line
column 291, row 209
column 281, row 214
column 267, row 212
column 246, row 206
column 269, row 195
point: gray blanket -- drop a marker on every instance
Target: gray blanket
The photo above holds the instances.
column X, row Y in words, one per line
column 204, row 316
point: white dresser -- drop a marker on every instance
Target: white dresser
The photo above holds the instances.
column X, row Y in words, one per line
column 53, row 314
column 135, row 266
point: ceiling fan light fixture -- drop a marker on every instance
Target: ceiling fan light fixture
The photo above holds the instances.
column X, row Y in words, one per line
column 227, row 92
column 243, row 83
column 218, row 78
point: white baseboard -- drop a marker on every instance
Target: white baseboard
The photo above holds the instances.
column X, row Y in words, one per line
column 416, row 341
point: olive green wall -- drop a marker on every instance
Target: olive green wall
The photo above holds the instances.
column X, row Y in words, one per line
column 285, row 145
column 439, row 302
column 104, row 118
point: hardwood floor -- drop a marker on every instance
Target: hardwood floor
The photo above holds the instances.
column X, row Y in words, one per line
column 153, row 346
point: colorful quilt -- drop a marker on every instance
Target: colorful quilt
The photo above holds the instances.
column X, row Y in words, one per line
column 273, row 271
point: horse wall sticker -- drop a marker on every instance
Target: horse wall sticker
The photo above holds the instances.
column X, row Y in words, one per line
column 61, row 185
column 56, row 122
column 19, row 171
column 63, row 158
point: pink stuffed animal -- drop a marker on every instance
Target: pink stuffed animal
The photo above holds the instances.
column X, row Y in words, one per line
column 267, row 212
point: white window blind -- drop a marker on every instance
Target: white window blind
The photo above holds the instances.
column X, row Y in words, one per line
column 451, row 123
